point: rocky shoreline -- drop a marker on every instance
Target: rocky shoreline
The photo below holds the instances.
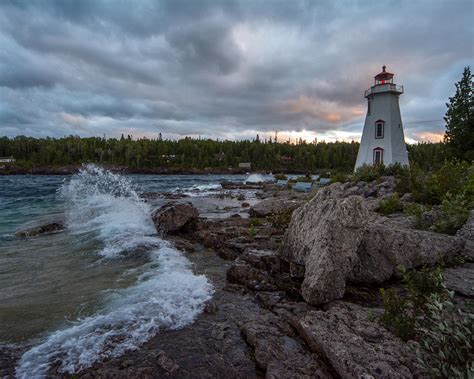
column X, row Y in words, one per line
column 297, row 280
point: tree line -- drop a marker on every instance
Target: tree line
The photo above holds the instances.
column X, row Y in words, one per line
column 198, row 153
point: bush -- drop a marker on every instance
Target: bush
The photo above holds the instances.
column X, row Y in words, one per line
column 280, row 177
column 306, row 179
column 339, row 177
column 454, row 213
column 446, row 347
column 427, row 313
column 452, row 177
column 368, row 173
column 416, row 210
column 390, row 205
column 280, row 220
column 401, row 313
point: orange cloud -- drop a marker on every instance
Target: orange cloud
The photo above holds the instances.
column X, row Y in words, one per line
column 428, row 136
column 320, row 109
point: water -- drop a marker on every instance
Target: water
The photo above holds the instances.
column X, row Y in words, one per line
column 103, row 286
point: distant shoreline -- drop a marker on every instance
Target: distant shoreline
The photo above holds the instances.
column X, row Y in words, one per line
column 71, row 169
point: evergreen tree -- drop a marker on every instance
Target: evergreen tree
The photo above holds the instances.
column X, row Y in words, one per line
column 460, row 119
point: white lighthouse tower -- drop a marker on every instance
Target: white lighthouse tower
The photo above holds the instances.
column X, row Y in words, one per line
column 383, row 141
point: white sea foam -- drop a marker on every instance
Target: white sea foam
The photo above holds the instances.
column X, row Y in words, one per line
column 255, row 178
column 166, row 295
column 202, row 190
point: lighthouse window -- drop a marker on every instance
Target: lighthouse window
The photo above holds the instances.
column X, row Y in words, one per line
column 379, row 129
column 368, row 107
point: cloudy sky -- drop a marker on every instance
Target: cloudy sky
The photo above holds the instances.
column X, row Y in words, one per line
column 226, row 69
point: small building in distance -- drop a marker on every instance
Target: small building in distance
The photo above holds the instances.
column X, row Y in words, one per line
column 245, row 165
column 7, row 159
column 383, row 140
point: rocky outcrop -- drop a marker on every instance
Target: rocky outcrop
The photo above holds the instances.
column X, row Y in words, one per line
column 278, row 352
column 174, row 217
column 324, row 236
column 337, row 238
column 461, row 279
column 386, row 245
column 53, row 227
column 274, row 205
column 355, row 346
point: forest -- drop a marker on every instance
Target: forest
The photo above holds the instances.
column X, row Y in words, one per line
column 199, row 153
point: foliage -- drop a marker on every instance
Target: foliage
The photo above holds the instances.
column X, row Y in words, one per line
column 401, row 313
column 305, row 179
column 252, row 231
column 280, row 220
column 280, row 177
column 428, row 314
column 255, row 221
column 416, row 210
column 459, row 119
column 368, row 173
column 451, row 177
column 454, row 213
column 446, row 340
column 390, row 205
column 340, row 177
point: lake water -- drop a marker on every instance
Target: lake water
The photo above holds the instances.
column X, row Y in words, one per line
column 104, row 285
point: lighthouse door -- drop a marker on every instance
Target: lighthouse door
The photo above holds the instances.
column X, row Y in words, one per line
column 378, row 155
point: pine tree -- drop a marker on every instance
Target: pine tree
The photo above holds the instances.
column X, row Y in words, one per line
column 459, row 119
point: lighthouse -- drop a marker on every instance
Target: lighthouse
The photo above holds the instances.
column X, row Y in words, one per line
column 383, row 141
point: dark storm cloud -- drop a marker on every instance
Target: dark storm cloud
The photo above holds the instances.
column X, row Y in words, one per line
column 226, row 69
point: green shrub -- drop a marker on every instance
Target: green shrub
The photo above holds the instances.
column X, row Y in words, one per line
column 446, row 347
column 454, row 213
column 390, row 205
column 252, row 231
column 255, row 221
column 428, row 314
column 368, row 173
column 451, row 177
column 306, row 179
column 280, row 176
column 339, row 177
column 416, row 210
column 401, row 313
column 280, row 220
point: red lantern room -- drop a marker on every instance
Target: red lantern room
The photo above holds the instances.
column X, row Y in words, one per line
column 384, row 77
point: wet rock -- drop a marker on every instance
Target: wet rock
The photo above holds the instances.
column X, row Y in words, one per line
column 245, row 205
column 274, row 205
column 324, row 236
column 173, row 217
column 461, row 279
column 355, row 346
column 53, row 227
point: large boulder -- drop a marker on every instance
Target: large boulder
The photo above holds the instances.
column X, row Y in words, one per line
column 387, row 244
column 355, row 344
column 174, row 217
column 324, row 236
column 336, row 238
column 274, row 205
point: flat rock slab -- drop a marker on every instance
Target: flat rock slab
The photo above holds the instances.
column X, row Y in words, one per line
column 355, row 346
column 461, row 279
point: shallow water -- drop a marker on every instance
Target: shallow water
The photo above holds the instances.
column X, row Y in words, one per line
column 104, row 285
